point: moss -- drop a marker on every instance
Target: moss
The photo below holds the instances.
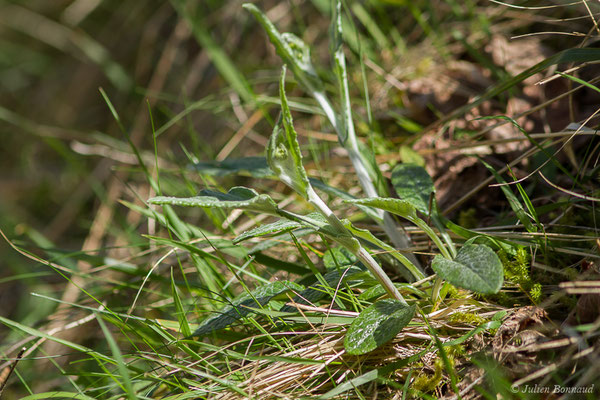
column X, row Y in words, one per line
column 455, row 293
column 466, row 318
column 517, row 270
column 571, row 273
column 467, row 218
column 427, row 383
column 536, row 293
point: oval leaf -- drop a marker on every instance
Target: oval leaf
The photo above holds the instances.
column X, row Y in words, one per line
column 413, row 184
column 476, row 267
column 315, row 292
column 242, row 306
column 377, row 325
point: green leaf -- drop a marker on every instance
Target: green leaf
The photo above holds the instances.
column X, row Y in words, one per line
column 399, row 207
column 239, row 308
column 181, row 315
column 276, row 227
column 414, row 185
column 57, row 395
column 121, row 366
column 377, row 325
column 339, row 257
column 283, row 150
column 237, row 197
column 339, row 61
column 315, row 292
column 476, row 267
column 337, row 193
column 406, row 210
column 514, row 202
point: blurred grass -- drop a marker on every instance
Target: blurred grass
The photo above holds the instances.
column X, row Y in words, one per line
column 204, row 70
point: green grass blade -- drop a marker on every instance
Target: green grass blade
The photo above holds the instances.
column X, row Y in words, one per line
column 515, row 204
column 180, row 311
column 57, row 395
column 114, row 348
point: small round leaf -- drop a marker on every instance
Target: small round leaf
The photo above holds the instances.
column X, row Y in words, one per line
column 476, row 267
column 377, row 325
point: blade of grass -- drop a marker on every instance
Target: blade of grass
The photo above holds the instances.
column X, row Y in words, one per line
column 126, row 383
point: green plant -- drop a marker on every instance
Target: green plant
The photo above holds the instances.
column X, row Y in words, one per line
column 475, row 266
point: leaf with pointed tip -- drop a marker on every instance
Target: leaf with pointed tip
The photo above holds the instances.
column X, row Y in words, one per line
column 377, row 291
column 396, row 206
column 241, row 307
column 337, row 193
column 410, row 272
column 413, row 184
column 283, row 150
column 294, row 52
column 315, row 292
column 476, row 267
column 377, row 325
column 237, row 197
column 282, row 225
column 278, row 239
column 339, row 257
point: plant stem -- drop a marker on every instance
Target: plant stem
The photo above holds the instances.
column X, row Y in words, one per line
column 433, row 236
column 364, row 256
column 386, row 221
column 347, row 240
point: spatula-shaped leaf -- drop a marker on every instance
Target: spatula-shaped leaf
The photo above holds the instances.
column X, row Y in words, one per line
column 283, row 150
column 413, row 184
column 377, row 325
column 294, row 52
column 476, row 267
column 237, row 197
column 240, row 307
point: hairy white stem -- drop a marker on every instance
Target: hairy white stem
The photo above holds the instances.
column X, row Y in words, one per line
column 346, row 239
column 364, row 256
column 399, row 240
